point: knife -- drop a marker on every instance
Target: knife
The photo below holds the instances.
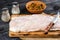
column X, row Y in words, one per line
column 51, row 23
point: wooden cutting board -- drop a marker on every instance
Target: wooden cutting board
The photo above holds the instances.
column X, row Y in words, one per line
column 37, row 34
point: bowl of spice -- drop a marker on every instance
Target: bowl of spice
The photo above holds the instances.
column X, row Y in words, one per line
column 35, row 6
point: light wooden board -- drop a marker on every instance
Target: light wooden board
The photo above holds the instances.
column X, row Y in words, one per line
column 33, row 34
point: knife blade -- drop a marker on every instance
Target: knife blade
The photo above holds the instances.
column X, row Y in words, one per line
column 51, row 23
column 56, row 18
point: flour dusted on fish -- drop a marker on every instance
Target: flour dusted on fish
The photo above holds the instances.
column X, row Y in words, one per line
column 30, row 23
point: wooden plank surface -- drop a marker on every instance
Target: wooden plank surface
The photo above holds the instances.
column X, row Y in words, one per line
column 40, row 38
column 36, row 34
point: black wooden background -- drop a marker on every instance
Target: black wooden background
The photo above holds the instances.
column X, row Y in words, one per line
column 4, row 27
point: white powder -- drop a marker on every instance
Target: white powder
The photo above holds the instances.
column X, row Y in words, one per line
column 32, row 23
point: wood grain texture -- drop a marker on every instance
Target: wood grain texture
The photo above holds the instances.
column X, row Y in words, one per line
column 35, row 34
column 40, row 38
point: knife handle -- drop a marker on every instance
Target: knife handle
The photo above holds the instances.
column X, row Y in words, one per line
column 48, row 27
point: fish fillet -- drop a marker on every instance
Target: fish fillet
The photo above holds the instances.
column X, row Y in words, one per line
column 32, row 23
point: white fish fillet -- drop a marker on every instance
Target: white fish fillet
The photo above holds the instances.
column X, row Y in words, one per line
column 32, row 23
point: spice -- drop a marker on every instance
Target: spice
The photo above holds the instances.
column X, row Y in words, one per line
column 5, row 15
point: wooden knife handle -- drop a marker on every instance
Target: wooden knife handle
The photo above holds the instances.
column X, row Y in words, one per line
column 48, row 27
